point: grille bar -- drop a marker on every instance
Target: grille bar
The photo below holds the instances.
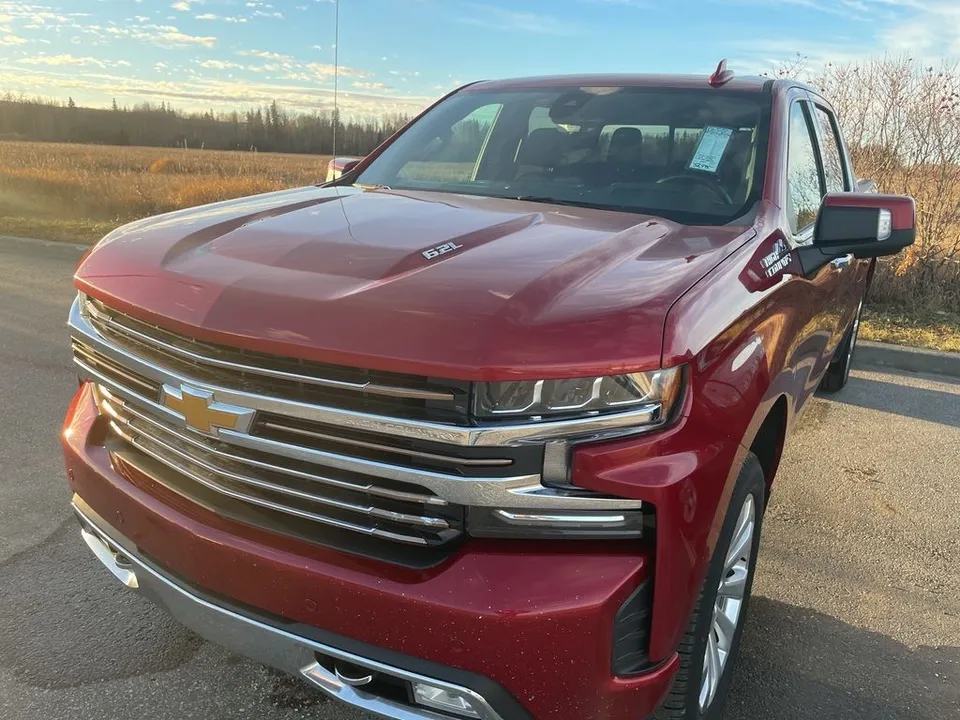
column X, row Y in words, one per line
column 89, row 358
column 137, row 441
column 315, row 435
column 126, row 326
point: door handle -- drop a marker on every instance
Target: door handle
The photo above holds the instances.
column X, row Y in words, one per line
column 842, row 262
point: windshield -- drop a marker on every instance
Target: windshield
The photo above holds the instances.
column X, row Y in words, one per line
column 693, row 156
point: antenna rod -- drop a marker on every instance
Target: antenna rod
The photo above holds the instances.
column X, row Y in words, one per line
column 336, row 72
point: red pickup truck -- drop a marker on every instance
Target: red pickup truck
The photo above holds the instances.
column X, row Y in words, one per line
column 486, row 427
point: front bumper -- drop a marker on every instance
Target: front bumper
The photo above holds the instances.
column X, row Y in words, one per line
column 268, row 642
column 525, row 626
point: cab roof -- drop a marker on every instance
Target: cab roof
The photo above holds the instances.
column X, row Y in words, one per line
column 742, row 83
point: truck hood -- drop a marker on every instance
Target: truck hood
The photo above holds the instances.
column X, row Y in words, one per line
column 355, row 277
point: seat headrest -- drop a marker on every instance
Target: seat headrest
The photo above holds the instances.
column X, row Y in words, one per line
column 541, row 148
column 626, row 145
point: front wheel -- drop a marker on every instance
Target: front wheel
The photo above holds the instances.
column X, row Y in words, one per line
column 709, row 649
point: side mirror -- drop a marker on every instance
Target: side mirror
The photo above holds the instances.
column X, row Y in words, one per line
column 865, row 225
column 340, row 166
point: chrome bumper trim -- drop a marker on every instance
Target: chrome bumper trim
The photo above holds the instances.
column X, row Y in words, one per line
column 260, row 642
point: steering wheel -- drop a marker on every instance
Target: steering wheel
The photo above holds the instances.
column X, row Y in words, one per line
column 713, row 185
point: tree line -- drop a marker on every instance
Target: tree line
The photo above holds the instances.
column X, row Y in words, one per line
column 266, row 129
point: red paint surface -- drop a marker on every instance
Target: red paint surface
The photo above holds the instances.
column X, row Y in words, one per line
column 535, row 617
column 902, row 209
column 337, row 275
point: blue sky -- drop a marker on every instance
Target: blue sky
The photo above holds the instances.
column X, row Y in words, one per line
column 397, row 55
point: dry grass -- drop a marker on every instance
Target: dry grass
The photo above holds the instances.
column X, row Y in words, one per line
column 939, row 330
column 80, row 192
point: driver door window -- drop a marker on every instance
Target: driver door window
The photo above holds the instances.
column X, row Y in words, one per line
column 454, row 158
column 804, row 186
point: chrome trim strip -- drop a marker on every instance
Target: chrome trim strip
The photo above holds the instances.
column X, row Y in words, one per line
column 266, row 644
column 211, row 485
column 608, row 520
column 110, row 558
column 371, row 388
column 469, row 462
column 91, row 356
column 371, row 511
column 638, row 420
column 367, row 488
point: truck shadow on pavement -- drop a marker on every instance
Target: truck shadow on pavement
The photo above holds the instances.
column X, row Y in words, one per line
column 909, row 400
column 799, row 663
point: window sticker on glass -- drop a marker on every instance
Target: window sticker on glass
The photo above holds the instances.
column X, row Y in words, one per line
column 710, row 149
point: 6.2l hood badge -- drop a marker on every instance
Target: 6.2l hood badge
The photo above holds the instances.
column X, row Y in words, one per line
column 439, row 250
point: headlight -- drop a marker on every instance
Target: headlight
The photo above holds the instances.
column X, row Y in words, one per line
column 579, row 396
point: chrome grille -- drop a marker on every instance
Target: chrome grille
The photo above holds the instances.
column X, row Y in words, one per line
column 376, row 483
column 318, row 475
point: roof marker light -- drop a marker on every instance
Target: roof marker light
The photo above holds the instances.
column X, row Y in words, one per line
column 721, row 76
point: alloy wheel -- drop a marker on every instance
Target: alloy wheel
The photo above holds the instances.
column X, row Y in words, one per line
column 729, row 603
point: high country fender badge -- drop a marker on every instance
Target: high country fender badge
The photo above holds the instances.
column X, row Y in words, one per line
column 777, row 259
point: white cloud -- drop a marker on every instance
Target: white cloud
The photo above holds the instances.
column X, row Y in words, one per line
column 523, row 21
column 264, row 55
column 57, row 60
column 202, row 93
column 932, row 31
column 11, row 39
column 219, row 64
column 181, row 6
column 224, row 18
column 363, row 85
column 927, row 30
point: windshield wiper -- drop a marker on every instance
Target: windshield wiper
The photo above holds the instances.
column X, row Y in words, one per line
column 546, row 199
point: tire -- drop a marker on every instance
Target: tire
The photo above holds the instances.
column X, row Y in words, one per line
column 686, row 694
column 839, row 370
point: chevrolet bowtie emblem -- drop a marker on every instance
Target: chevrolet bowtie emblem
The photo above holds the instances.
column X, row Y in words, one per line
column 201, row 412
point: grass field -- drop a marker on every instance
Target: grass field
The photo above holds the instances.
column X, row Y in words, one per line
column 80, row 192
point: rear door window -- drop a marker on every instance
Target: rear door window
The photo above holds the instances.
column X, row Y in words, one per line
column 830, row 152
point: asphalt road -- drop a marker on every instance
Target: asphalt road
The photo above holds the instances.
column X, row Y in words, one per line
column 857, row 601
